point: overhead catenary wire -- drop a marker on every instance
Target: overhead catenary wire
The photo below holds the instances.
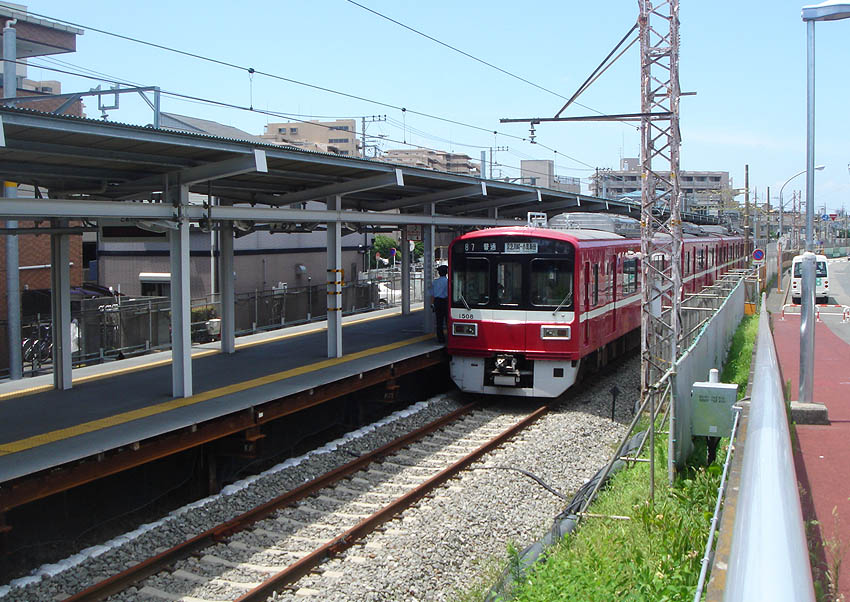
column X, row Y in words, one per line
column 497, row 68
column 249, row 69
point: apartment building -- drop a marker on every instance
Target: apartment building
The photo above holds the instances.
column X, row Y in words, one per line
column 702, row 191
column 338, row 136
column 541, row 172
column 432, row 159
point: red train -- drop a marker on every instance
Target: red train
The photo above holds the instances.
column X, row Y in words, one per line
column 529, row 306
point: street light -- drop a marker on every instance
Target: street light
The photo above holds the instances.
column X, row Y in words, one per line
column 825, row 11
column 781, row 204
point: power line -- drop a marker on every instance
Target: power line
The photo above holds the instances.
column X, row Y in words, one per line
column 251, row 71
column 470, row 56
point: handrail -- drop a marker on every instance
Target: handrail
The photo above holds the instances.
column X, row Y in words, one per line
column 769, row 558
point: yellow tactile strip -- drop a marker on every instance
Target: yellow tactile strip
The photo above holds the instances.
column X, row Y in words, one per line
column 84, row 379
column 94, row 425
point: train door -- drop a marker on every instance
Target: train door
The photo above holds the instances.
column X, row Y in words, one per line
column 586, row 303
column 615, row 276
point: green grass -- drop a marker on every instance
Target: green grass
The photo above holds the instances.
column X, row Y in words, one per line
column 656, row 555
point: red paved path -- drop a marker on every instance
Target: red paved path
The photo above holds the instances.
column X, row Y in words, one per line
column 823, row 455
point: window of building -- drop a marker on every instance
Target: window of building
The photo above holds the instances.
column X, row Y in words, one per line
column 293, row 130
column 714, row 178
column 343, row 152
column 281, row 130
column 700, row 178
column 338, row 140
column 343, row 128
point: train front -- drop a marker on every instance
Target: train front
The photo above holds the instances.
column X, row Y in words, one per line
column 511, row 312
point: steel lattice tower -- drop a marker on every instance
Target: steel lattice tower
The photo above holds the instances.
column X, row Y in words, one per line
column 661, row 228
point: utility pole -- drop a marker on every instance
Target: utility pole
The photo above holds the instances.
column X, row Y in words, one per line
column 747, row 205
column 363, row 122
column 492, row 151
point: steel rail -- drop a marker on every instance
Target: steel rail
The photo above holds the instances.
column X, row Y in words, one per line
column 350, row 537
column 151, row 566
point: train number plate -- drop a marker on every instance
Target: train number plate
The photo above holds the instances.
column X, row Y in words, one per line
column 520, row 247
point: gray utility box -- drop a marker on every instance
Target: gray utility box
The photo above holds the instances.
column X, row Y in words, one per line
column 711, row 408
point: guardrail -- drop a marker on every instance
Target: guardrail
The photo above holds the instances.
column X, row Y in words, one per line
column 769, row 558
column 822, row 309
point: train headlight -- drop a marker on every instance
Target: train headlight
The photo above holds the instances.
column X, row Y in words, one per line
column 555, row 332
column 464, row 329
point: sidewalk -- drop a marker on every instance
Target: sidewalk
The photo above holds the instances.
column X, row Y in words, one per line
column 822, row 452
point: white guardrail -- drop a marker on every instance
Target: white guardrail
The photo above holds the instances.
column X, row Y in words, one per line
column 769, row 559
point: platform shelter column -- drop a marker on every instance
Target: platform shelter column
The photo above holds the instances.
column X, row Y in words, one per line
column 60, row 283
column 428, row 270
column 228, row 326
column 181, row 339
column 335, row 279
column 405, row 272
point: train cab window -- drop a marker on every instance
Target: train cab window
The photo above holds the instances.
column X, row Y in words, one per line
column 552, row 283
column 471, row 282
column 509, row 283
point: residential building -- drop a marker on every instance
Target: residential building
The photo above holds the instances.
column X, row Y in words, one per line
column 38, row 37
column 541, row 172
column 338, row 136
column 432, row 159
column 702, row 191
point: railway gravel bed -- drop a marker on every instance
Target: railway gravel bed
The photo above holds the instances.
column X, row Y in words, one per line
column 442, row 546
column 431, row 551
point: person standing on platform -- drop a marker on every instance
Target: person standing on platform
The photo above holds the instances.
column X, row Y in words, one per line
column 440, row 301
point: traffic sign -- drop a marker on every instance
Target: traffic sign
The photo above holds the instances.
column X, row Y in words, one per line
column 833, row 216
column 758, row 254
column 824, row 218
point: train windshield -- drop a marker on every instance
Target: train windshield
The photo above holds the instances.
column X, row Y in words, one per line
column 552, row 283
column 470, row 282
column 514, row 272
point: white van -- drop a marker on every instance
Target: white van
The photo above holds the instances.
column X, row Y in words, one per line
column 821, row 279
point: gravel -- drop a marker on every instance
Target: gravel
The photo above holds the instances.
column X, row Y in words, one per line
column 433, row 551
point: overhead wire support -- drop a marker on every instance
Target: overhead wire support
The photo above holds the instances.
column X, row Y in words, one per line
column 661, row 226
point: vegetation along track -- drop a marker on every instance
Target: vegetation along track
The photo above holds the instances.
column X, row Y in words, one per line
column 275, row 544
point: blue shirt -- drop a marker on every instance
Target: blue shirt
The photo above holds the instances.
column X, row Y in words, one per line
column 440, row 288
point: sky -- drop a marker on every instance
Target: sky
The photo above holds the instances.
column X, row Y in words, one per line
column 745, row 62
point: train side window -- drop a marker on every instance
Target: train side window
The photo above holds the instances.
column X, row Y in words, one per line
column 595, row 284
column 509, row 283
column 687, row 263
column 700, row 259
column 470, row 282
column 630, row 276
column 552, row 283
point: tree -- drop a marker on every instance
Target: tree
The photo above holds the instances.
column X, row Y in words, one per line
column 384, row 245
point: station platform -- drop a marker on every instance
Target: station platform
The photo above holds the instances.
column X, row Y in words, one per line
column 822, row 452
column 125, row 408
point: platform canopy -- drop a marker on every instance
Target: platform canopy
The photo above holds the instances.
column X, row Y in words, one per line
column 82, row 163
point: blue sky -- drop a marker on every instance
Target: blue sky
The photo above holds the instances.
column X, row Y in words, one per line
column 746, row 61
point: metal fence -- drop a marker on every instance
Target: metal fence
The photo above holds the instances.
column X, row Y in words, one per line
column 116, row 327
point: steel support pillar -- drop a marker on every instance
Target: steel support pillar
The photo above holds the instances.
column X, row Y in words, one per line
column 227, row 297
column 405, row 272
column 181, row 336
column 60, row 284
column 13, row 293
column 428, row 234
column 335, row 279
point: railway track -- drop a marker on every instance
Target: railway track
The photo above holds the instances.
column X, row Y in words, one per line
column 270, row 547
